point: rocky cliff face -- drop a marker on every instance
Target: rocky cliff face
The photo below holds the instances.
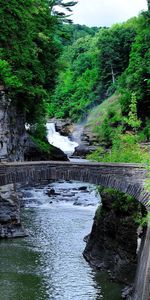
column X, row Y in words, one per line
column 12, row 143
column 112, row 243
column 12, row 131
column 10, row 224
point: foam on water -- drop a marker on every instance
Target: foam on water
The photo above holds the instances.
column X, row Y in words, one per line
column 67, row 194
column 59, row 141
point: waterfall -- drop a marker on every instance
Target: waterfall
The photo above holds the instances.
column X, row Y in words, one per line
column 60, row 141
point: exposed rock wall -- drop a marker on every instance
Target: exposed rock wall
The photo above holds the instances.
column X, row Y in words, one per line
column 142, row 282
column 12, row 143
column 10, row 224
column 112, row 243
column 64, row 126
column 12, row 131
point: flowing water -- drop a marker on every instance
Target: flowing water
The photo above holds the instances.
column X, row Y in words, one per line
column 48, row 265
column 60, row 141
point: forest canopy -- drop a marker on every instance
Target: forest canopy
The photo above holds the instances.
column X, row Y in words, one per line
column 54, row 69
column 30, row 45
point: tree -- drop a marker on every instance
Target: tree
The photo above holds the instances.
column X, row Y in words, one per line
column 136, row 78
column 75, row 90
column 114, row 46
column 29, row 50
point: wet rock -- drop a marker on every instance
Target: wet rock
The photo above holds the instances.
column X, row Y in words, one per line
column 113, row 240
column 27, row 194
column 10, row 223
column 70, row 195
column 82, row 188
column 12, row 231
column 127, row 292
column 83, row 150
column 87, row 144
column 86, row 238
column 51, row 192
column 34, row 153
column 88, row 136
column 77, row 203
column 83, row 202
column 64, row 126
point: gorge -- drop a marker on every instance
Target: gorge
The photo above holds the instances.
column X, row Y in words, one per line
column 127, row 178
column 91, row 86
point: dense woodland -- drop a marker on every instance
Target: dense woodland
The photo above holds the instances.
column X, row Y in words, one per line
column 50, row 67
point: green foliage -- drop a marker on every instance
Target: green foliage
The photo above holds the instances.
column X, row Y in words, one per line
column 125, row 148
column 7, row 76
column 76, row 83
column 73, row 32
column 42, row 146
column 111, row 127
column 114, row 46
column 144, row 134
column 91, row 65
column 121, row 204
column 121, row 201
column 29, row 50
column 106, row 120
column 135, row 79
column 132, row 119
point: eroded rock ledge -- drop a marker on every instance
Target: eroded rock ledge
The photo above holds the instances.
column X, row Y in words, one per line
column 10, row 224
column 112, row 244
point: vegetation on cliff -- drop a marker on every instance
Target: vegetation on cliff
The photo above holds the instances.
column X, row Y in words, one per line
column 30, row 45
column 90, row 68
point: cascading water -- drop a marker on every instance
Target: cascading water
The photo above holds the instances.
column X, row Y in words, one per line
column 59, row 141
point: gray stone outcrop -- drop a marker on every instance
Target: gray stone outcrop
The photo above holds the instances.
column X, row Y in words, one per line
column 12, row 131
column 142, row 282
column 112, row 243
column 10, row 224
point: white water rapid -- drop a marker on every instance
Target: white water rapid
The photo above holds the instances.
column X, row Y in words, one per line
column 60, row 141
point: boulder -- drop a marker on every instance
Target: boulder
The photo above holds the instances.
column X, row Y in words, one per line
column 34, row 153
column 64, row 126
column 83, row 150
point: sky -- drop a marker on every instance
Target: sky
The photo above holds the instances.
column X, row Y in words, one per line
column 106, row 12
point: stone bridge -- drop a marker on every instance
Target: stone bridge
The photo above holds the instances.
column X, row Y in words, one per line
column 127, row 178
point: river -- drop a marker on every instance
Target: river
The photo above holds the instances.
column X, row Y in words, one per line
column 48, row 264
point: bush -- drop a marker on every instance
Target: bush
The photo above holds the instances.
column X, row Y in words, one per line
column 124, row 149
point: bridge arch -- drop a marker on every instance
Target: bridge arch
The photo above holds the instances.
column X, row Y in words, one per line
column 126, row 178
